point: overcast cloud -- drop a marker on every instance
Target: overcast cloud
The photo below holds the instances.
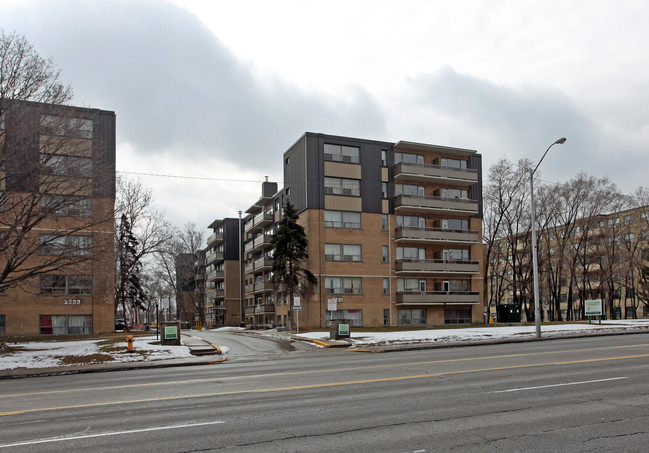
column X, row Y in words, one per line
column 221, row 89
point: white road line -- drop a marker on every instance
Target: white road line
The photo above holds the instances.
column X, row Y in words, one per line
column 559, row 385
column 114, row 433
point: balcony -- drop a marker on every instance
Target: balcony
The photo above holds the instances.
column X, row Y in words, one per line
column 262, row 243
column 440, row 235
column 215, row 238
column 412, row 266
column 408, row 171
column 214, row 294
column 249, row 267
column 262, row 309
column 248, row 226
column 438, row 205
column 215, row 276
column 213, row 257
column 437, row 297
column 264, row 287
column 264, row 263
column 250, row 289
column 248, row 246
column 263, row 220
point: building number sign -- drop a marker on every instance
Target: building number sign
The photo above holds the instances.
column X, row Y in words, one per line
column 72, row 301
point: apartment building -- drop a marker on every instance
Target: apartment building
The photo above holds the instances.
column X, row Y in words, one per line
column 605, row 258
column 190, row 288
column 394, row 233
column 57, row 183
column 223, row 279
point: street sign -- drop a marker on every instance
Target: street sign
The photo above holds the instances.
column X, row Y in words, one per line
column 593, row 307
column 332, row 304
column 297, row 307
column 297, row 301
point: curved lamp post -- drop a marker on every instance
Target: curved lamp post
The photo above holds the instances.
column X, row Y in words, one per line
column 535, row 267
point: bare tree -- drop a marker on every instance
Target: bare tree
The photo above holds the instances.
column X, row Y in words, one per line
column 49, row 180
column 149, row 229
column 180, row 265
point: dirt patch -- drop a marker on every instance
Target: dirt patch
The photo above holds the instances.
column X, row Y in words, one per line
column 82, row 359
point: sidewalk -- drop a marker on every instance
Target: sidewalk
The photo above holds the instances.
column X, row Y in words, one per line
column 203, row 353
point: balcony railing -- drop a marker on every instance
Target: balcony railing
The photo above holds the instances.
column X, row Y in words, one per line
column 214, row 294
column 435, row 173
column 414, row 234
column 264, row 287
column 213, row 257
column 437, row 297
column 436, row 266
column 214, row 238
column 261, row 243
column 440, row 205
column 215, row 276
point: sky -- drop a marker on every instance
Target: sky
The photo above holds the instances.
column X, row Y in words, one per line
column 208, row 94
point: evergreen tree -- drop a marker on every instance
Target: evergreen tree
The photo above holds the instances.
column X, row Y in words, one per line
column 290, row 251
column 130, row 291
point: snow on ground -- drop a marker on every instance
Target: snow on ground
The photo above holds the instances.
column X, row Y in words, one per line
column 48, row 354
column 51, row 353
column 476, row 333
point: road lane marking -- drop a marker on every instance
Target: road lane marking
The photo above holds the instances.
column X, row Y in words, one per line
column 112, row 433
column 559, row 385
column 323, row 385
column 305, row 372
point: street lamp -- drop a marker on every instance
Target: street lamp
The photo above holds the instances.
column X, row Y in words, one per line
column 535, row 267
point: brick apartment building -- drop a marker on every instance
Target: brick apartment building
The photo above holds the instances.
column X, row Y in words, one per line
column 58, row 165
column 394, row 234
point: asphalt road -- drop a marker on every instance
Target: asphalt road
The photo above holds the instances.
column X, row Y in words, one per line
column 589, row 394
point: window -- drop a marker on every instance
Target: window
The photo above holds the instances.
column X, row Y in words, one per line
column 342, row 252
column 288, row 191
column 415, row 317
column 384, row 190
column 3, row 324
column 411, row 253
column 644, row 235
column 386, row 286
column 386, row 317
column 409, row 189
column 384, row 222
column 59, row 165
column 66, row 324
column 74, row 127
column 384, row 158
column 455, row 193
column 645, row 216
column 628, row 219
column 456, row 255
column 287, row 160
column 454, row 224
column 74, row 245
column 411, row 221
column 342, row 186
column 341, row 153
column 613, row 222
column 385, row 254
column 453, row 163
column 343, row 285
column 353, row 317
column 408, row 158
column 457, row 316
column 67, row 206
column 629, row 238
column 342, row 219
column 409, row 284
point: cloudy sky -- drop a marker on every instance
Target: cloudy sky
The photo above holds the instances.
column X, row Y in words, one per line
column 210, row 93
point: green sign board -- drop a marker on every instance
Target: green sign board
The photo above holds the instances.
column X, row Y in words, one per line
column 593, row 307
column 171, row 332
column 343, row 330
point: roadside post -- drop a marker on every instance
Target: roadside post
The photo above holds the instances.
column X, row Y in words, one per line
column 297, row 307
column 593, row 307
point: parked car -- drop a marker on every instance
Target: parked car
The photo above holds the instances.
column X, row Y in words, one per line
column 120, row 324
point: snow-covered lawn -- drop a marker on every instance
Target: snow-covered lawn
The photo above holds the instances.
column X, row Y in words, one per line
column 48, row 354
column 475, row 334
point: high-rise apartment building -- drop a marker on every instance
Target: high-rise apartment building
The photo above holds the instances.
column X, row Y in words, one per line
column 57, row 190
column 394, row 233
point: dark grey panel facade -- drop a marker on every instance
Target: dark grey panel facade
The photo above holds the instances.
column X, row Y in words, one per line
column 231, row 240
column 304, row 170
column 475, row 162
